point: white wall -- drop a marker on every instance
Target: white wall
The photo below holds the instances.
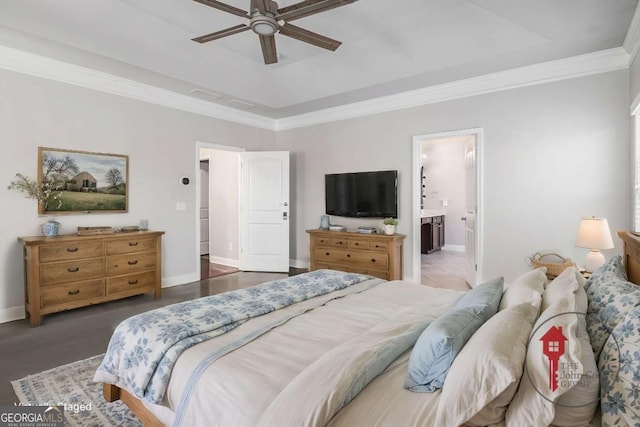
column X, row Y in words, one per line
column 634, row 79
column 160, row 143
column 552, row 153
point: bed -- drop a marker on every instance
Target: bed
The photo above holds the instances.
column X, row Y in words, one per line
column 340, row 349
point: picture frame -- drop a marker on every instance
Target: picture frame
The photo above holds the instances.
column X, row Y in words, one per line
column 83, row 181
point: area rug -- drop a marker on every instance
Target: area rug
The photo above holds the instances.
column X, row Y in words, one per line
column 72, row 385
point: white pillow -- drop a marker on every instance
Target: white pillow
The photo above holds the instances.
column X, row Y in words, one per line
column 563, row 286
column 526, row 288
column 485, row 375
column 574, row 401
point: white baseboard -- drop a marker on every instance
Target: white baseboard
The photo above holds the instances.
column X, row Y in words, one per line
column 225, row 261
column 168, row 282
column 11, row 313
column 296, row 263
column 455, row 248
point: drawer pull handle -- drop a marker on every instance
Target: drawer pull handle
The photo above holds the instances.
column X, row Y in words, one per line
column 73, row 269
column 373, row 260
column 72, row 249
column 327, row 253
column 133, row 243
column 134, row 262
column 76, row 292
column 133, row 282
column 348, row 255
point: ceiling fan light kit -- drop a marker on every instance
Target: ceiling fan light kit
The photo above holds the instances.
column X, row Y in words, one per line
column 263, row 25
column 266, row 19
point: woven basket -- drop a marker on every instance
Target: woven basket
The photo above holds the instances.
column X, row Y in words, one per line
column 553, row 268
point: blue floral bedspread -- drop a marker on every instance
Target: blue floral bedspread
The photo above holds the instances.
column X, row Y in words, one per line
column 144, row 348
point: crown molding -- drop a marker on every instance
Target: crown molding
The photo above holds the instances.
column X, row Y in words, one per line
column 577, row 66
column 582, row 65
column 64, row 72
column 632, row 40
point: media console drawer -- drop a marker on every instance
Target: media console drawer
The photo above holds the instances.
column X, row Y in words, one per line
column 71, row 271
column 378, row 255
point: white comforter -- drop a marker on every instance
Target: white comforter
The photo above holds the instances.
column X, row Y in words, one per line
column 304, row 371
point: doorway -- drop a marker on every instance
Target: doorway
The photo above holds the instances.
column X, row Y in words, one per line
column 446, row 209
column 217, row 225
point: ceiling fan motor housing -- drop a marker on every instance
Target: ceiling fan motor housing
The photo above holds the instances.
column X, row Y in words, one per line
column 263, row 25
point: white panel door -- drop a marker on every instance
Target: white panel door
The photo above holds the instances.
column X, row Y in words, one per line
column 264, row 215
column 470, row 213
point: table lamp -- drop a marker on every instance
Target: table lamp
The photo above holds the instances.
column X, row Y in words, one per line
column 594, row 234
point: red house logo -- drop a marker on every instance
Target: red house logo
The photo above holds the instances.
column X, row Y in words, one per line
column 553, row 347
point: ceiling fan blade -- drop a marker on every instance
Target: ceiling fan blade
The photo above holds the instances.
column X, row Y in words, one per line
column 263, row 6
column 309, row 7
column 268, row 44
column 222, row 33
column 224, row 7
column 309, row 37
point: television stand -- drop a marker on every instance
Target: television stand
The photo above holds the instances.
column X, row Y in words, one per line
column 378, row 255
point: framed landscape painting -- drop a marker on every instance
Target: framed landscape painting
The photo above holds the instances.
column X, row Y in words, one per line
column 83, row 182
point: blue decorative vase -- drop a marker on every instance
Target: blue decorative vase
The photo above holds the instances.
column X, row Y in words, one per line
column 50, row 228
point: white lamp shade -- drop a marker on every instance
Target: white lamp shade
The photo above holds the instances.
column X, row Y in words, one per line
column 594, row 233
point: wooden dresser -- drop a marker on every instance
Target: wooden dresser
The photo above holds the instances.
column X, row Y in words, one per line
column 71, row 271
column 378, row 255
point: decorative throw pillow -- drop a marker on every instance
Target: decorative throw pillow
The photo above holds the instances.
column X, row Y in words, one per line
column 620, row 373
column 442, row 340
column 559, row 343
column 610, row 297
column 565, row 285
column 485, row 375
column 526, row 288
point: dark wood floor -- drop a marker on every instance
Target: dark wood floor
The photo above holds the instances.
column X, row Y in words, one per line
column 209, row 270
column 77, row 334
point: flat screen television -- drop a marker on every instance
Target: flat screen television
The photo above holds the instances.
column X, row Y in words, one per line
column 362, row 194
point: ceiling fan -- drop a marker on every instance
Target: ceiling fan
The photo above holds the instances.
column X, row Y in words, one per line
column 266, row 19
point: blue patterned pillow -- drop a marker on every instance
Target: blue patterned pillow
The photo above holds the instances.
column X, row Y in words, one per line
column 610, row 297
column 620, row 373
column 442, row 340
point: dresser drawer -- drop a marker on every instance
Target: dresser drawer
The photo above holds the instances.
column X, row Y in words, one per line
column 123, row 264
column 358, row 244
column 379, row 246
column 70, row 250
column 370, row 260
column 322, row 241
column 71, row 292
column 71, row 271
column 131, row 282
column 340, row 242
column 127, row 246
column 378, row 261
